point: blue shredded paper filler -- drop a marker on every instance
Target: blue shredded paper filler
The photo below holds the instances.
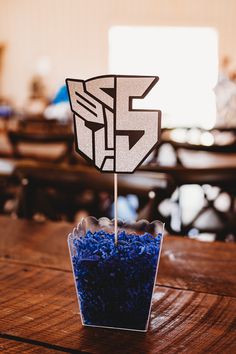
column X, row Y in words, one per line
column 115, row 282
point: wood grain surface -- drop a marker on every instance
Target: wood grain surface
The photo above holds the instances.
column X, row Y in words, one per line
column 185, row 264
column 40, row 304
column 194, row 307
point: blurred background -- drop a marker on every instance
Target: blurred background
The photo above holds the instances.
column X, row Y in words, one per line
column 189, row 181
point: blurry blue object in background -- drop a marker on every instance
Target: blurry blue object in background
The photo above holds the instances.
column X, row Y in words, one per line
column 126, row 207
column 61, row 96
column 59, row 108
column 5, row 111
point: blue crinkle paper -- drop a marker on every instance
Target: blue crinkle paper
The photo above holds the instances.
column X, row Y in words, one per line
column 115, row 282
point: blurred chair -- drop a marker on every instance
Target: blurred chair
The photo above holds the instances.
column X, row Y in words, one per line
column 213, row 165
column 42, row 140
column 62, row 189
column 215, row 140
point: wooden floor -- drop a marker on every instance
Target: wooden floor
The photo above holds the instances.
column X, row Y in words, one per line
column 194, row 305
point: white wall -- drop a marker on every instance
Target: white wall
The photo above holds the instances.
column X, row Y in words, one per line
column 74, row 33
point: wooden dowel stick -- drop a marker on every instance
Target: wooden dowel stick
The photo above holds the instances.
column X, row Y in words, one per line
column 115, row 207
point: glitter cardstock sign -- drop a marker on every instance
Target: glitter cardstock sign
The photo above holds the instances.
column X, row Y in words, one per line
column 109, row 132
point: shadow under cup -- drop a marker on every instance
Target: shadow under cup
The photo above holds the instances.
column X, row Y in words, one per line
column 115, row 282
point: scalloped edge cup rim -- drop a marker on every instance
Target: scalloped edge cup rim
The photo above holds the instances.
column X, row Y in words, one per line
column 105, row 222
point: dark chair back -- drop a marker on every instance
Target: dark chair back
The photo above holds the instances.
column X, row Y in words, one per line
column 42, row 140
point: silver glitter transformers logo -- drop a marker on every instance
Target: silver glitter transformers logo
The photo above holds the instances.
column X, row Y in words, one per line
column 109, row 132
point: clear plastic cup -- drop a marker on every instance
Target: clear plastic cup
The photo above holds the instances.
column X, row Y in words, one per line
column 115, row 282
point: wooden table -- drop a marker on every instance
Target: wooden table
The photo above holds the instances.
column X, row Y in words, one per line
column 194, row 305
